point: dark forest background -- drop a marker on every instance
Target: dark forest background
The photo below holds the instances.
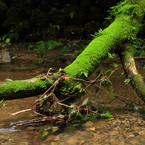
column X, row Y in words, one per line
column 35, row 20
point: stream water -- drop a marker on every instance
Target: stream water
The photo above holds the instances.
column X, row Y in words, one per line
column 125, row 128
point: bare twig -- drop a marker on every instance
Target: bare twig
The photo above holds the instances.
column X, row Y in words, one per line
column 53, row 85
column 26, row 110
column 64, row 105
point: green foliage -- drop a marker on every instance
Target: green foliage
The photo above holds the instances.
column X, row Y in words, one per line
column 77, row 111
column 43, row 134
column 110, row 56
column 85, row 102
column 71, row 14
column 7, row 38
column 139, row 47
column 100, row 32
column 115, row 64
column 122, row 7
column 122, row 73
column 126, row 7
column 104, row 82
column 127, row 81
column 108, row 71
column 45, row 45
column 3, row 103
column 54, row 26
column 143, row 67
column 67, row 47
column 107, row 115
column 142, row 112
column 84, row 72
column 79, row 51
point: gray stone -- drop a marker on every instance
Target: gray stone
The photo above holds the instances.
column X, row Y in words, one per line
column 6, row 58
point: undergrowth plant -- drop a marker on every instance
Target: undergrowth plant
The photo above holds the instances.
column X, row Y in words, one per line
column 139, row 47
column 44, row 45
column 3, row 103
column 8, row 38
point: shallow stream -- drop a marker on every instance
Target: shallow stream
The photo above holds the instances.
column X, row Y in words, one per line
column 125, row 128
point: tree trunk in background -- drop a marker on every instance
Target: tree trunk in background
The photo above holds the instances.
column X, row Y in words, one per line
column 135, row 79
column 128, row 17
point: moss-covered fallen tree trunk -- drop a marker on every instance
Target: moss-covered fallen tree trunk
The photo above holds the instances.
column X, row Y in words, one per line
column 23, row 88
column 128, row 17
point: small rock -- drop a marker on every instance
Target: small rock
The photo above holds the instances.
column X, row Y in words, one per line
column 89, row 123
column 57, row 138
column 131, row 135
column 6, row 58
column 54, row 143
column 142, row 132
column 92, row 129
column 72, row 141
column 24, row 143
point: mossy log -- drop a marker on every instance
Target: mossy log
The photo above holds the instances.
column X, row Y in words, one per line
column 23, row 88
column 128, row 17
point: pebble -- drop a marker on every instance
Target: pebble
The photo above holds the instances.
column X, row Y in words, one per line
column 24, row 143
column 142, row 132
column 89, row 123
column 92, row 129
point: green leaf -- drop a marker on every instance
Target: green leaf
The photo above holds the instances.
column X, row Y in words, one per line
column 115, row 64
column 8, row 40
column 84, row 72
column 108, row 71
column 2, row 101
column 85, row 101
column 123, row 73
column 143, row 67
column 44, row 134
column 127, row 81
column 72, row 14
column 56, row 26
column 107, row 115
column 110, row 56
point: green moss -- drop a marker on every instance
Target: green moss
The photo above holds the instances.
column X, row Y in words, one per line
column 71, row 86
column 19, row 85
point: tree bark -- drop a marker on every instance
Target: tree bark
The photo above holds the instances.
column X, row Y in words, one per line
column 128, row 17
column 135, row 79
